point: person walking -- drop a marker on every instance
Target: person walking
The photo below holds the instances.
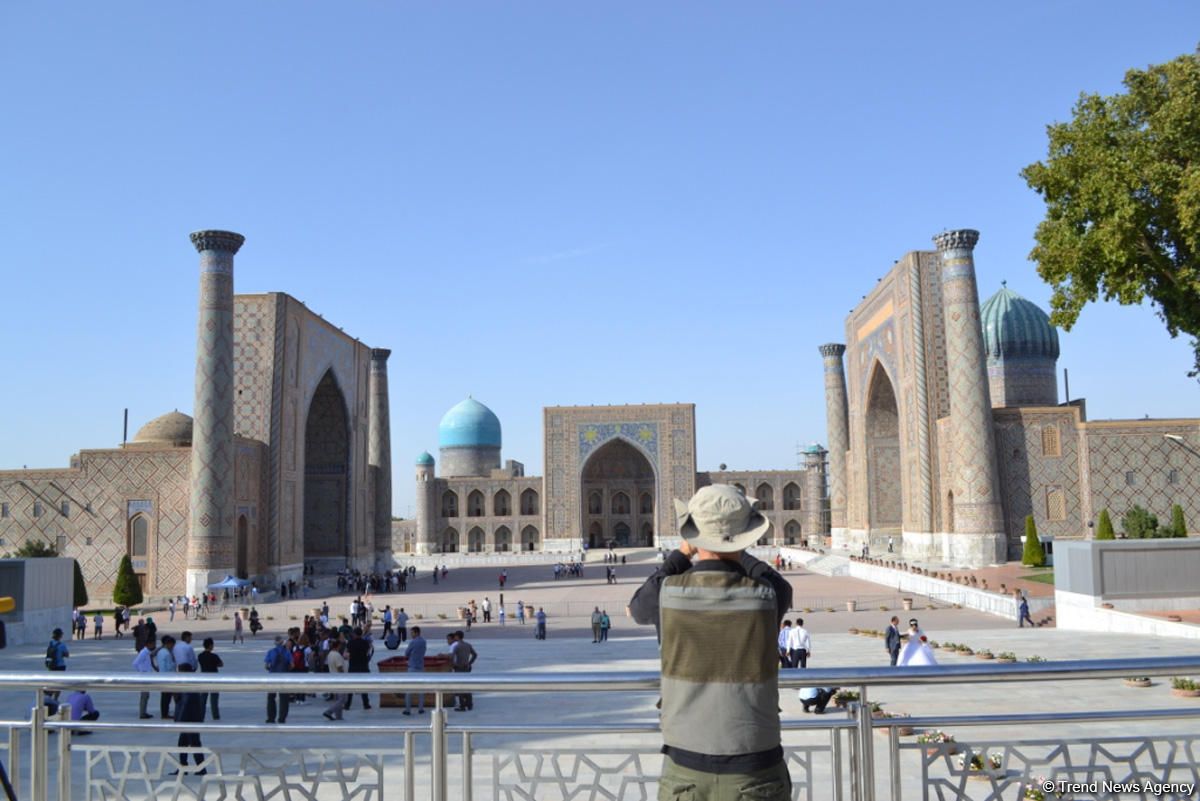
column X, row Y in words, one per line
column 97, row 624
column 539, row 632
column 118, row 619
column 402, row 624
column 727, row 603
column 210, row 662
column 892, row 640
column 144, row 663
column 415, row 654
column 278, row 660
column 799, row 645
column 359, row 651
column 164, row 660
column 605, row 625
column 487, row 609
column 462, row 658
column 335, row 663
column 171, row 611
column 238, row 633
column 500, row 614
column 189, row 708
column 520, row 612
column 785, row 661
column 596, row 625
column 387, row 621
column 1023, row 612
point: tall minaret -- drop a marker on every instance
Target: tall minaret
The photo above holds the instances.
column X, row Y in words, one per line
column 379, row 454
column 814, row 493
column 838, row 426
column 210, row 531
column 426, row 505
column 978, row 526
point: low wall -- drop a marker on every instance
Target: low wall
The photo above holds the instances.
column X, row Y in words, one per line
column 1133, row 575
column 1079, row 612
column 43, row 590
column 502, row 559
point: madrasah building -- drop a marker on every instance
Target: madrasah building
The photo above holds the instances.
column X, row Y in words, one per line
column 945, row 429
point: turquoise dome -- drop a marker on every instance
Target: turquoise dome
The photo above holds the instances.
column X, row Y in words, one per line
column 814, row 448
column 470, row 424
column 425, row 458
column 1014, row 327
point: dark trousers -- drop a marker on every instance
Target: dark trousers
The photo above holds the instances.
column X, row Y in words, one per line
column 785, row 661
column 282, row 707
column 1025, row 616
column 366, row 700
column 214, row 699
column 464, row 700
column 799, row 658
column 164, row 704
column 895, row 655
column 189, row 739
column 540, row 632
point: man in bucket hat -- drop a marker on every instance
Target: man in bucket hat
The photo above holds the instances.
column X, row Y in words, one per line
column 718, row 620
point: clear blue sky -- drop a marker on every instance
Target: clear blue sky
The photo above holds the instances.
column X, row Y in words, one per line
column 536, row 203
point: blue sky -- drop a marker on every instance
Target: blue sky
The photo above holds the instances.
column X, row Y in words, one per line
column 535, row 203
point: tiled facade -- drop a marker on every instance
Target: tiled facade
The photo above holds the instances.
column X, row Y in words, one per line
column 921, row 419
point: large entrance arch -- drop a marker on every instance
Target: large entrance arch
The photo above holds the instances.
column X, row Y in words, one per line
column 615, row 474
column 885, row 504
column 327, row 477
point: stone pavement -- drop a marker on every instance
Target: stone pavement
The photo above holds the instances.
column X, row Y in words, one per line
column 569, row 649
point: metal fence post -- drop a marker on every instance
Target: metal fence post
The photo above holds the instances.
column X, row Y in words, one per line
column 835, row 753
column 866, row 753
column 37, row 748
column 64, row 757
column 410, row 767
column 437, row 751
column 894, row 749
column 467, row 756
column 14, row 759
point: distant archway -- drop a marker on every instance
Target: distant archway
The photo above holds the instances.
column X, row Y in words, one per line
column 449, row 541
column 503, row 539
column 475, row 504
column 646, row 538
column 529, row 502
column 475, row 540
column 596, row 535
column 766, row 497
column 529, row 538
column 502, row 504
column 620, row 471
column 885, row 498
column 791, row 496
column 327, row 475
column 241, row 548
column 621, row 535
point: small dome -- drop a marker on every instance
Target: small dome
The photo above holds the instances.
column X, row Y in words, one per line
column 1016, row 327
column 424, row 459
column 470, row 424
column 173, row 428
column 814, row 448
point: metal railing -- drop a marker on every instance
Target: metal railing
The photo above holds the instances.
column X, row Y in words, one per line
column 856, row 753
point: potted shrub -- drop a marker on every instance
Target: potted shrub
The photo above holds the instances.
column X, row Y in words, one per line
column 981, row 766
column 1035, row 659
column 854, row 631
column 883, row 607
column 902, row 730
column 949, row 646
column 937, row 742
column 984, row 654
column 1006, row 656
column 933, row 644
column 1138, row 681
column 965, row 650
column 907, row 604
column 843, row 698
column 1185, row 688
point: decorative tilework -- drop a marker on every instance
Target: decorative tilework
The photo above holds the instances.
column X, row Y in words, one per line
column 644, row 435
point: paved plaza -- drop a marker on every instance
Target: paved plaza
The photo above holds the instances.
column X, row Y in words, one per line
column 569, row 648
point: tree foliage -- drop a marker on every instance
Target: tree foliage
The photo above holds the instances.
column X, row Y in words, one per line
column 34, row 549
column 1122, row 189
column 81, row 594
column 1104, row 528
column 1139, row 524
column 1034, row 554
column 126, row 591
column 1178, row 524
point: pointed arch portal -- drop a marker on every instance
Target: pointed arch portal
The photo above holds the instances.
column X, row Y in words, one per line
column 327, row 473
column 620, row 472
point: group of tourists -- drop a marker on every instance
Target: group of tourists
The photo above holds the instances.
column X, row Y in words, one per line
column 361, row 583
column 572, row 569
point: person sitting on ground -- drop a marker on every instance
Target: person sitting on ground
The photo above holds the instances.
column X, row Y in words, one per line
column 815, row 699
column 82, row 708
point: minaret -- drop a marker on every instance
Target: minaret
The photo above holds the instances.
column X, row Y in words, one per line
column 813, row 525
column 210, row 531
column 978, row 527
column 379, row 454
column 838, row 427
column 426, row 505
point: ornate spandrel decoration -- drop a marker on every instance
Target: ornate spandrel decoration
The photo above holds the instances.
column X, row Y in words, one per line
column 221, row 241
column 593, row 435
column 962, row 239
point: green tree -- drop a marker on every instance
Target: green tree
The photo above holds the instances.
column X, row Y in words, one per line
column 1104, row 528
column 126, row 591
column 1178, row 524
column 1034, row 554
column 34, row 549
column 1122, row 189
column 1139, row 524
column 81, row 596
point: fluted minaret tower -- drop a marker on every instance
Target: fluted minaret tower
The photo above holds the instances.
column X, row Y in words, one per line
column 426, row 505
column 813, row 524
column 978, row 526
column 379, row 454
column 210, row 531
column 837, row 423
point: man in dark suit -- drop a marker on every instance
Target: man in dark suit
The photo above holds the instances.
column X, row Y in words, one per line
column 892, row 640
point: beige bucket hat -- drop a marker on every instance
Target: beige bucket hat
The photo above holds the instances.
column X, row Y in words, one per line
column 719, row 518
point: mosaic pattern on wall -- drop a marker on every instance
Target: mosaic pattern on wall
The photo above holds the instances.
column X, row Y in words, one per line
column 593, row 435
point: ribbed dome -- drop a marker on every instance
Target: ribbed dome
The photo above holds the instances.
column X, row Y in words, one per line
column 470, row 424
column 1016, row 327
column 173, row 428
column 425, row 458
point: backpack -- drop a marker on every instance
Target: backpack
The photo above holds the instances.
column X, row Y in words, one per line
column 52, row 655
column 298, row 661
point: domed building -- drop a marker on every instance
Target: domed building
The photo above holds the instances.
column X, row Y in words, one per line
column 610, row 474
column 1022, row 351
column 284, row 470
column 946, row 429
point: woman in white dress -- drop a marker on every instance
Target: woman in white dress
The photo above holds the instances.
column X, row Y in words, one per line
column 916, row 651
